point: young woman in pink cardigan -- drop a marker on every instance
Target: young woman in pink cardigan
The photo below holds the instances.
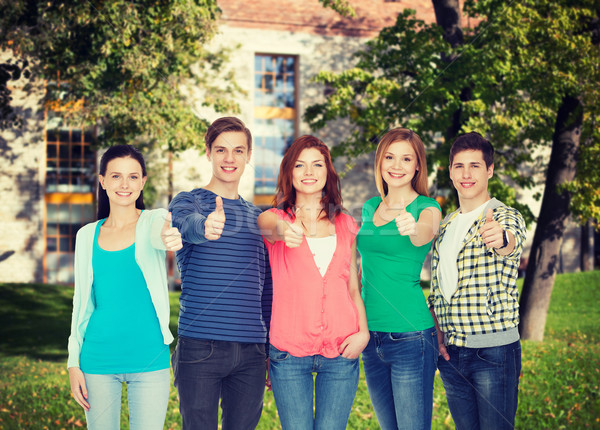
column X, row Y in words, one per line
column 318, row 322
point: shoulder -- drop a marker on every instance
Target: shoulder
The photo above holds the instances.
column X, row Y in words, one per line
column 373, row 202
column 427, row 202
column 250, row 207
column 195, row 194
column 348, row 222
column 87, row 229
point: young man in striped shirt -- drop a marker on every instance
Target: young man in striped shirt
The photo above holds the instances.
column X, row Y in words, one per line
column 225, row 302
column 474, row 294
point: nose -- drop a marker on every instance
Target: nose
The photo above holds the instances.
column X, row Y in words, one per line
column 467, row 172
column 229, row 157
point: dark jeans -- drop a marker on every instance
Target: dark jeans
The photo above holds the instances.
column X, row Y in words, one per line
column 482, row 385
column 206, row 370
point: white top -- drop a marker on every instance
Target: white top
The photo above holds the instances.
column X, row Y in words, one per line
column 451, row 246
column 322, row 249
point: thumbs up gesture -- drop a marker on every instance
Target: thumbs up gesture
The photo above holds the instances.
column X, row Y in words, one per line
column 293, row 234
column 215, row 222
column 407, row 226
column 170, row 235
column 491, row 232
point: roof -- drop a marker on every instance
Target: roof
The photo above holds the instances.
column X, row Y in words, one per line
column 310, row 16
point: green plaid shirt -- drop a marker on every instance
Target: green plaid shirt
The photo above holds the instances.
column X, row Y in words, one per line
column 487, row 299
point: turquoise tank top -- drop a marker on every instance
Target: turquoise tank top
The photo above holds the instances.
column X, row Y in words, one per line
column 123, row 334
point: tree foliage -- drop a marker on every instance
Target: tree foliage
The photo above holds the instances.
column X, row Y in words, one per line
column 130, row 63
column 517, row 64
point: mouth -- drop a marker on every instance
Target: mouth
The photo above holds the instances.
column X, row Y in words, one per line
column 396, row 175
column 228, row 169
column 309, row 181
column 467, row 184
column 122, row 193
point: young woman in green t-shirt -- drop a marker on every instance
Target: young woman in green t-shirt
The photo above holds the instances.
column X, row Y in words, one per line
column 401, row 357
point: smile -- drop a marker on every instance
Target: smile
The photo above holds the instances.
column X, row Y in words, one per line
column 123, row 193
column 467, row 184
column 229, row 169
column 396, row 175
column 309, row 181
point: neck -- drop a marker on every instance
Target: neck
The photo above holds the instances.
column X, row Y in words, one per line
column 309, row 204
column 469, row 205
column 228, row 190
column 395, row 196
column 122, row 216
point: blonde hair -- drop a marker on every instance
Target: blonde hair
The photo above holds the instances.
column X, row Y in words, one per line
column 419, row 181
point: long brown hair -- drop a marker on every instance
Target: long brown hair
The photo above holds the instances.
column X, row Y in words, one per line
column 419, row 181
column 285, row 198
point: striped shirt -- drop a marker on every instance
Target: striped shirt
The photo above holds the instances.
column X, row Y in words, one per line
column 226, row 288
column 485, row 307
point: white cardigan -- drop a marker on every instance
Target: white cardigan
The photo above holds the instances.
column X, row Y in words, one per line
column 149, row 255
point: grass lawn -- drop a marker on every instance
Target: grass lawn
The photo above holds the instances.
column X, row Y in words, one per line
column 558, row 388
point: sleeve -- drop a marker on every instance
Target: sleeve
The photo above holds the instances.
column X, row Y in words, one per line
column 74, row 347
column 433, row 285
column 157, row 221
column 511, row 220
column 188, row 219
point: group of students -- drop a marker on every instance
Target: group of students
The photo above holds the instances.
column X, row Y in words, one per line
column 274, row 298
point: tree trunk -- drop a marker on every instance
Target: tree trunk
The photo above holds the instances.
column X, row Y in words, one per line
column 554, row 213
column 587, row 247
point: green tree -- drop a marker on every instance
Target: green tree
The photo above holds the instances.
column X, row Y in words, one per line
column 130, row 63
column 526, row 76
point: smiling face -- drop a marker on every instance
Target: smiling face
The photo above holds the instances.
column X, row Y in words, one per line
column 399, row 164
column 123, row 181
column 229, row 155
column 470, row 177
column 310, row 172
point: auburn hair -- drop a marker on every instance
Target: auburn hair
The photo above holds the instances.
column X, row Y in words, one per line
column 285, row 198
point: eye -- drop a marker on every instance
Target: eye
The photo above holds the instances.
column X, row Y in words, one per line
column 298, row 165
column 239, row 151
column 318, row 165
column 115, row 176
column 134, row 177
column 388, row 157
column 407, row 159
column 220, row 150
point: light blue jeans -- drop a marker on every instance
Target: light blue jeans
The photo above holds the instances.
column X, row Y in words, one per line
column 334, row 387
column 400, row 369
column 148, row 394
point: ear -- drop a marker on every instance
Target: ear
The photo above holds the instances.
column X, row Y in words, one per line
column 144, row 179
column 207, row 150
column 249, row 157
column 490, row 171
column 101, row 180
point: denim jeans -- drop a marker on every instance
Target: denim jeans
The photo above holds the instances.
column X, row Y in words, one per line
column 147, row 393
column 400, row 369
column 334, row 387
column 206, row 370
column 482, row 385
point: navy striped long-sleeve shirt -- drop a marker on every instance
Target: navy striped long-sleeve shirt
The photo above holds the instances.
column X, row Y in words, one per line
column 226, row 287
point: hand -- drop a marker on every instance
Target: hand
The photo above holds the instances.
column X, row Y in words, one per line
column 78, row 387
column 170, row 235
column 293, row 234
column 215, row 222
column 491, row 232
column 268, row 380
column 441, row 347
column 407, row 226
column 354, row 344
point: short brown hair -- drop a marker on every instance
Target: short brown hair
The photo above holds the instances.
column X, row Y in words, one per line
column 473, row 141
column 419, row 181
column 224, row 125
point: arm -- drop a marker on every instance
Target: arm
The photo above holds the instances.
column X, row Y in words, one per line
column 422, row 231
column 187, row 218
column 354, row 344
column 440, row 336
column 274, row 229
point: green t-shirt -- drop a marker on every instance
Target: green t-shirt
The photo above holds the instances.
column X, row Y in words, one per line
column 391, row 272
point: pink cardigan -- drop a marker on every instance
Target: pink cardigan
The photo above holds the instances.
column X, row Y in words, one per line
column 312, row 314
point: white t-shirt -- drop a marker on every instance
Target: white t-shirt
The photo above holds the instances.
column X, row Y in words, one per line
column 322, row 249
column 450, row 246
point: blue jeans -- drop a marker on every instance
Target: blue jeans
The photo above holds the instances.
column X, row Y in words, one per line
column 206, row 370
column 147, row 392
column 334, row 387
column 482, row 385
column 400, row 369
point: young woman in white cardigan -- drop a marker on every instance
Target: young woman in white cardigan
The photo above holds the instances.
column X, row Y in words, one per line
column 120, row 324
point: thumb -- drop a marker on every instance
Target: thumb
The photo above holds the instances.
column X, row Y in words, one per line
column 219, row 209
column 402, row 205
column 489, row 217
column 168, row 220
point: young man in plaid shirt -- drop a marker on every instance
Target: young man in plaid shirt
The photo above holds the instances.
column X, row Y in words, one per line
column 474, row 294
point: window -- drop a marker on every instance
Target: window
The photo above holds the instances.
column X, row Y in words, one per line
column 275, row 113
column 70, row 187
